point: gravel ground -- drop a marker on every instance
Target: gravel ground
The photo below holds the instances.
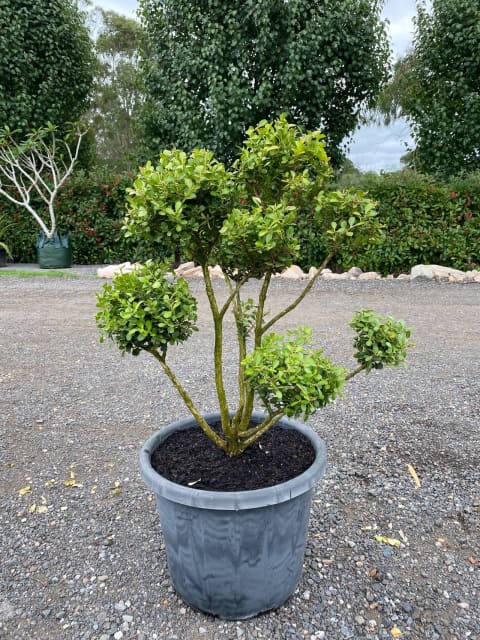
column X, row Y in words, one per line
column 82, row 553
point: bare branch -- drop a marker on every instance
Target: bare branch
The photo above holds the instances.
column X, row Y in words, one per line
column 37, row 166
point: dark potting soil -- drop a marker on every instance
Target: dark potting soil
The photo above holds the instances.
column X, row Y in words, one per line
column 191, row 459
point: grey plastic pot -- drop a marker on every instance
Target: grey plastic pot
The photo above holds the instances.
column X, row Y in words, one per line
column 234, row 554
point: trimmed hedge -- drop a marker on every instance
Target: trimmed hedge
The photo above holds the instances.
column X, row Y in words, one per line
column 424, row 222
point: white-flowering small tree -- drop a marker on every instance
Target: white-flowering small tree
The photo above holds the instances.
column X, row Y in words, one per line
column 40, row 164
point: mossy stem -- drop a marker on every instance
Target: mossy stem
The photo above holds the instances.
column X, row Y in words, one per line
column 188, row 401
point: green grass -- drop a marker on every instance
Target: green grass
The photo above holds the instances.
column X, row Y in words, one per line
column 19, row 273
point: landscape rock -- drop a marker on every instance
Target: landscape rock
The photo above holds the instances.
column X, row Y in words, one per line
column 427, row 272
column 335, row 276
column 216, row 271
column 472, row 276
column 112, row 269
column 293, row 273
column 182, row 268
column 195, row 272
column 355, row 272
column 436, row 272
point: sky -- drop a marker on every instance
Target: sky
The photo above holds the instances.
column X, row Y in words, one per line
column 374, row 148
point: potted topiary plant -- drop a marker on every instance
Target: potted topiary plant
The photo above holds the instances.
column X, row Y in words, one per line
column 234, row 488
column 39, row 165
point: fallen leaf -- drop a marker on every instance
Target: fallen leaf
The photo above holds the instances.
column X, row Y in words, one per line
column 372, row 573
column 393, row 542
column 25, row 490
column 116, row 489
column 413, row 473
column 50, row 483
column 41, row 508
column 73, row 481
column 472, row 560
column 396, row 633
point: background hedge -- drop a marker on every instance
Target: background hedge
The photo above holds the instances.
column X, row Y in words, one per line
column 91, row 207
column 425, row 221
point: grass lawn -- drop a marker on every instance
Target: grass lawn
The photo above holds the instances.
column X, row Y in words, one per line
column 19, row 273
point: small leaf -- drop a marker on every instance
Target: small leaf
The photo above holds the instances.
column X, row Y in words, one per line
column 25, row 490
column 72, row 482
column 413, row 473
column 41, row 508
column 393, row 542
column 116, row 489
column 396, row 633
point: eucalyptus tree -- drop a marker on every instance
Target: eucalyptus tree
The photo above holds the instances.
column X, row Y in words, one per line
column 118, row 93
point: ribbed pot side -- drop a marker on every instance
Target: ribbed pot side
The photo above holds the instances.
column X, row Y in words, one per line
column 234, row 554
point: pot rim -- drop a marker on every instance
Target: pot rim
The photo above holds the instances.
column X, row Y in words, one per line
column 232, row 500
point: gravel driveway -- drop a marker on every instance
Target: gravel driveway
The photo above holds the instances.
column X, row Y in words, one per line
column 82, row 553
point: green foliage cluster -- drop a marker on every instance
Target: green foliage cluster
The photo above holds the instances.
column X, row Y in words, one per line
column 424, row 221
column 145, row 310
column 214, row 68
column 46, row 63
column 5, row 225
column 290, row 377
column 193, row 201
column 92, row 208
column 379, row 341
column 435, row 86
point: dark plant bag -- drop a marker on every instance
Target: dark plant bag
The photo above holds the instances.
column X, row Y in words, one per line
column 54, row 253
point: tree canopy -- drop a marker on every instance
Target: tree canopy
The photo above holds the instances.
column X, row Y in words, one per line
column 215, row 68
column 46, row 63
column 118, row 93
column 436, row 87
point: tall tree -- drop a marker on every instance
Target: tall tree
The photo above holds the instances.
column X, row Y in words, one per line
column 215, row 68
column 436, row 87
column 118, row 93
column 46, row 63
